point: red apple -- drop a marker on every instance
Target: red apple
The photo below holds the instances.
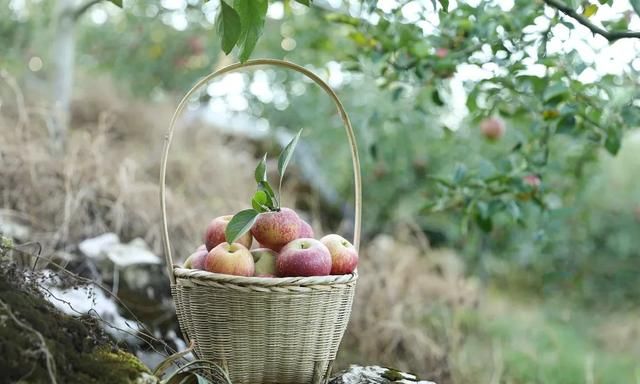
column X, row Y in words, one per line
column 265, row 262
column 442, row 52
column 532, row 180
column 276, row 229
column 492, row 128
column 305, row 230
column 304, row 257
column 214, row 234
column 230, row 259
column 344, row 257
column 196, row 259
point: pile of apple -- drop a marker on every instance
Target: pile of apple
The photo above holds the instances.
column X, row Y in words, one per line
column 286, row 248
column 285, row 243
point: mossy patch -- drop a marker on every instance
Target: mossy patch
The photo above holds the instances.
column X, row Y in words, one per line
column 82, row 352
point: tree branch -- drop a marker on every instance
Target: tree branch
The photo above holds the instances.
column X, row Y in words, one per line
column 609, row 35
column 84, row 8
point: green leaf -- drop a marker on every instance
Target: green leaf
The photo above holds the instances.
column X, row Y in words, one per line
column 228, row 26
column 635, row 4
column 304, row 2
column 265, row 186
column 459, row 173
column 240, row 224
column 555, row 92
column 261, row 170
column 612, row 142
column 285, row 156
column 261, row 202
column 483, row 217
column 252, row 14
column 445, row 5
column 566, row 124
column 118, row 3
column 435, row 97
column 590, row 10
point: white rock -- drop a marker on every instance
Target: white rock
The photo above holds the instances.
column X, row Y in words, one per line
column 134, row 253
column 76, row 302
column 96, row 248
column 357, row 374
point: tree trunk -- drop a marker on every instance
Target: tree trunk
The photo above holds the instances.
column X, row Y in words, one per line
column 62, row 58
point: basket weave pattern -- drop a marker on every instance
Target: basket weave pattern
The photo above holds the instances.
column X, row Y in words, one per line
column 289, row 333
column 264, row 330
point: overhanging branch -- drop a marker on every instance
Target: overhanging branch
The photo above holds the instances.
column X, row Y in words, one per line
column 609, row 35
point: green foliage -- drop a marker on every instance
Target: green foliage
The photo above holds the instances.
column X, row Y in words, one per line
column 228, row 26
column 553, row 343
column 240, row 224
column 264, row 200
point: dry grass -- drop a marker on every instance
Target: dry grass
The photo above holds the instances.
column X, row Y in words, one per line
column 107, row 178
column 405, row 312
column 406, row 307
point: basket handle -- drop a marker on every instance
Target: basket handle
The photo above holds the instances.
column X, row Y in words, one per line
column 230, row 68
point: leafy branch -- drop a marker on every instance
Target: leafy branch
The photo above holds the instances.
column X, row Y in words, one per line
column 609, row 35
column 265, row 199
column 240, row 23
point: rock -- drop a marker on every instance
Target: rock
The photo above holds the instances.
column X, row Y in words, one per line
column 357, row 374
column 74, row 302
column 135, row 253
column 95, row 248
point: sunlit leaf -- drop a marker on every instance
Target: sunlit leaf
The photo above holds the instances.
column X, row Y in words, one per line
column 590, row 10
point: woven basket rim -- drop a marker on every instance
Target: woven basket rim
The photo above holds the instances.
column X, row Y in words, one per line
column 195, row 275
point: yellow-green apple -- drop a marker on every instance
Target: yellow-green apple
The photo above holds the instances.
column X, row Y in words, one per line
column 277, row 228
column 492, row 128
column 230, row 259
column 214, row 234
column 344, row 257
column 265, row 262
column 304, row 257
column 196, row 259
column 305, row 230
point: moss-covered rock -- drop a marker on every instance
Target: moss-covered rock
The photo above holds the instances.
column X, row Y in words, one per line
column 80, row 351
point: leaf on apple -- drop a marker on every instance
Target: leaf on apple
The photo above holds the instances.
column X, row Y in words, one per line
column 271, row 196
column 240, row 224
column 285, row 157
column 262, row 202
column 261, row 170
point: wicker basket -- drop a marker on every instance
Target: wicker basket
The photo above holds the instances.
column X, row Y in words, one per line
column 264, row 330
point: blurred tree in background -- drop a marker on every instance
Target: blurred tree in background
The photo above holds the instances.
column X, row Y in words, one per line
column 419, row 79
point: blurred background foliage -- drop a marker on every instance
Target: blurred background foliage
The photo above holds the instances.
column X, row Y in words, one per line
column 549, row 211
